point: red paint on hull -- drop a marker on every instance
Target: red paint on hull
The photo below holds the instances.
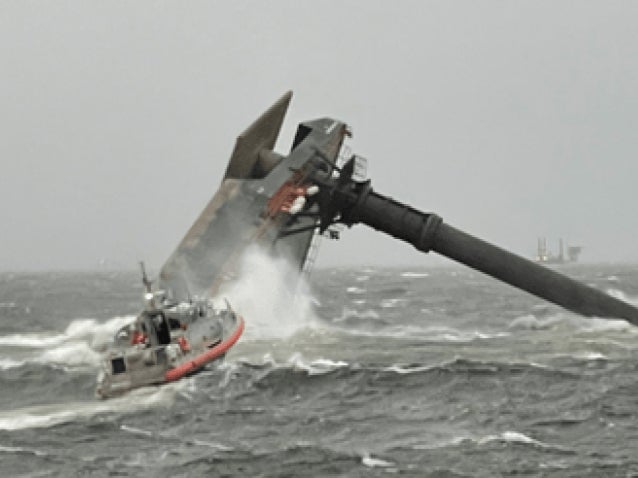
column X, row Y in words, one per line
column 202, row 359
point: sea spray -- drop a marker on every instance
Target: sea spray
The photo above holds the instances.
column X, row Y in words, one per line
column 271, row 296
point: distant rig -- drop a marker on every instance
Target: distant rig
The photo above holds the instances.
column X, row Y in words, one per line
column 545, row 256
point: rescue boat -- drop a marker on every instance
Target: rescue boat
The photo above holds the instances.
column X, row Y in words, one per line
column 167, row 342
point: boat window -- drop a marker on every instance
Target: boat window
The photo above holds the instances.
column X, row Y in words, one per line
column 118, row 365
column 160, row 356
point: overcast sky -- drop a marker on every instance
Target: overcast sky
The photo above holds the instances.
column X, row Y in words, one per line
column 512, row 120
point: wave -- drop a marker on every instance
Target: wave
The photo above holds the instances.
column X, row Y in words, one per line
column 73, row 354
column 507, row 437
column 273, row 304
column 572, row 321
column 516, row 438
column 320, row 366
column 415, row 275
column 349, row 314
column 295, row 363
column 372, row 462
column 297, row 368
column 45, row 416
column 78, row 346
column 390, row 303
column 22, row 451
column 89, row 330
column 7, row 363
column 355, row 290
column 417, row 332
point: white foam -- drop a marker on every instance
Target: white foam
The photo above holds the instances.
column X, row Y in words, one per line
column 435, row 334
column 271, row 297
column 355, row 290
column 31, row 340
column 136, row 431
column 371, row 462
column 415, row 275
column 17, row 449
column 590, row 356
column 565, row 319
column 390, row 303
column 89, row 330
column 512, row 437
column 319, row 366
column 6, row 363
column 347, row 313
column 407, row 370
column 44, row 416
column 296, row 361
column 75, row 347
column 215, row 446
column 73, row 354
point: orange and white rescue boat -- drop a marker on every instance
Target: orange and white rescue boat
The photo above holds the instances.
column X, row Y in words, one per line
column 167, row 343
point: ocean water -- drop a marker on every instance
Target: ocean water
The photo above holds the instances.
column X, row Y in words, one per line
column 437, row 372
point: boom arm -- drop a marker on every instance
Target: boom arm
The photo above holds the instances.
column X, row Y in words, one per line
column 347, row 201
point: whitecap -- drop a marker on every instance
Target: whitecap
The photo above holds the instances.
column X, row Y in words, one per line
column 7, row 363
column 136, row 431
column 349, row 314
column 355, row 290
column 88, row 330
column 31, row 340
column 565, row 319
column 512, row 437
column 415, row 275
column 215, row 446
column 17, row 449
column 73, row 354
column 319, row 366
column 372, row 462
column 390, row 303
column 401, row 370
column 45, row 416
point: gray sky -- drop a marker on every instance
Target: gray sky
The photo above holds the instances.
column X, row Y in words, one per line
column 510, row 119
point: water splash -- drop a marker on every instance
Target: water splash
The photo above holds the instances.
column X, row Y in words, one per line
column 78, row 346
column 270, row 295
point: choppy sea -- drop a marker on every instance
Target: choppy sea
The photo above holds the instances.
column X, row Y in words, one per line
column 429, row 372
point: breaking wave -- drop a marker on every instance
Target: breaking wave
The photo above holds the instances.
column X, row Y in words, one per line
column 415, row 275
column 572, row 321
column 79, row 345
column 270, row 297
column 45, row 416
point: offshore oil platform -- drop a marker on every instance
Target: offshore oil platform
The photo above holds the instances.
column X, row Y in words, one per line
column 566, row 255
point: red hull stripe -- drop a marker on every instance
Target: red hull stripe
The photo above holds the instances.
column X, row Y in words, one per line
column 202, row 359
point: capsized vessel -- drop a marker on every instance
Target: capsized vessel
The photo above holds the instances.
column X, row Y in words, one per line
column 283, row 203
